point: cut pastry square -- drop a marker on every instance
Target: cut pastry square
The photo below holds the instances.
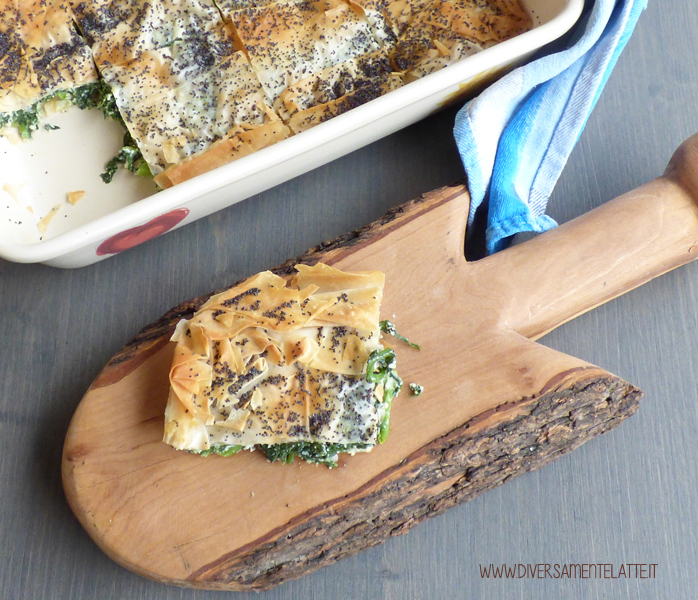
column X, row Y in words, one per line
column 175, row 106
column 41, row 53
column 333, row 91
column 289, row 41
column 19, row 87
column 118, row 31
column 282, row 366
column 60, row 58
column 437, row 33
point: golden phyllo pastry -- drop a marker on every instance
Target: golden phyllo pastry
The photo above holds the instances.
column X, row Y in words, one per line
column 288, row 41
column 119, row 31
column 176, row 112
column 241, row 140
column 273, row 363
column 40, row 52
column 436, row 33
column 336, row 90
column 18, row 85
column 178, row 81
column 377, row 15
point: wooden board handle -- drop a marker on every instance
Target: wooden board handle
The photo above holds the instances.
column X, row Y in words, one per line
column 600, row 255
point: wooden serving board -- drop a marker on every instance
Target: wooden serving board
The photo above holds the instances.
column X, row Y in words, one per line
column 495, row 404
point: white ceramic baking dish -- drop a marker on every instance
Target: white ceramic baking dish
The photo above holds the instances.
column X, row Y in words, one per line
column 36, row 176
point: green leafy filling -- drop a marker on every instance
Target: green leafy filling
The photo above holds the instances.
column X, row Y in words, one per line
column 220, row 449
column 27, row 120
column 96, row 95
column 380, row 369
column 99, row 95
column 129, row 157
column 323, row 453
column 389, row 328
column 416, row 389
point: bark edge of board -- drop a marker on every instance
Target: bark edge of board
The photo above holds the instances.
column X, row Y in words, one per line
column 518, row 437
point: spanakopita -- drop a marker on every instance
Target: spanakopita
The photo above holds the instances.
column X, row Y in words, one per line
column 200, row 83
column 293, row 368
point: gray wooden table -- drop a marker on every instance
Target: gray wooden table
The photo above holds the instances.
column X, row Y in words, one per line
column 627, row 497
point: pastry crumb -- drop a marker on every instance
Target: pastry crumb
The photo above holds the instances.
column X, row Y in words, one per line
column 13, row 190
column 42, row 225
column 76, row 196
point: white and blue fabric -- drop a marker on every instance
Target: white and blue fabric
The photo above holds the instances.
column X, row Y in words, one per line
column 515, row 138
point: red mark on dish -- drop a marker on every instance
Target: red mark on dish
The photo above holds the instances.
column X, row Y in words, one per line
column 137, row 235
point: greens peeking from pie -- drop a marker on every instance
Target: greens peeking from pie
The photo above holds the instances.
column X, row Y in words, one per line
column 291, row 368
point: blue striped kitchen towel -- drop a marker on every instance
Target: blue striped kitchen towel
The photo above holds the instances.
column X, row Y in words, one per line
column 515, row 138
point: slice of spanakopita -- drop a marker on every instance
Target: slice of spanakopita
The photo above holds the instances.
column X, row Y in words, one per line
column 294, row 368
column 42, row 58
column 289, row 40
column 188, row 97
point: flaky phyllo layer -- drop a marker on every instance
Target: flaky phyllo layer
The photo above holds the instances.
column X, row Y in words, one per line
column 270, row 362
column 200, row 83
